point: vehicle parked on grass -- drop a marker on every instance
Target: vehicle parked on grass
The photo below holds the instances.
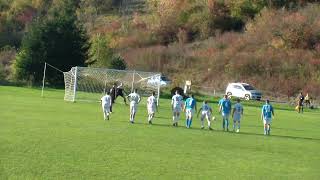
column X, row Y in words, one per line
column 243, row 90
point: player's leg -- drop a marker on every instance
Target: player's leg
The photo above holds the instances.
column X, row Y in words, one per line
column 107, row 111
column 209, row 121
column 187, row 118
column 238, row 129
column 268, row 128
column 131, row 113
column 234, row 125
column 104, row 113
column 177, row 118
column 227, row 121
column 223, row 121
column 265, row 126
column 202, row 120
column 174, row 117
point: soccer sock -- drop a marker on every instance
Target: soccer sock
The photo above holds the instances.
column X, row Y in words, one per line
column 187, row 122
column 234, row 125
column 209, row 123
column 269, row 128
column 227, row 123
column 202, row 123
column 265, row 129
column 239, row 125
column 223, row 123
column 174, row 119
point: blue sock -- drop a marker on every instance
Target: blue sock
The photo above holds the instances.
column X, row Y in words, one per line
column 226, row 123
column 187, row 122
column 190, row 122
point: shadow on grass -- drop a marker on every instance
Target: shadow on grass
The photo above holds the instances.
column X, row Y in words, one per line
column 226, row 132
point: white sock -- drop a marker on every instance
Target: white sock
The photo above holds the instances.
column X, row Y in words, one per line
column 202, row 123
column 209, row 123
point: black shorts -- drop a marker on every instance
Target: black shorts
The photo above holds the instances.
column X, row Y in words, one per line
column 120, row 93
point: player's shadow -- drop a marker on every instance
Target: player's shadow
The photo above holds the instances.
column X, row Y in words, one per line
column 228, row 132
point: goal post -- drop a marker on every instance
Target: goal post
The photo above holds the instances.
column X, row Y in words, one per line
column 89, row 84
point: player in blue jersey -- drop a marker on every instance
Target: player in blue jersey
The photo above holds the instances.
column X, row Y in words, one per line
column 225, row 109
column 266, row 116
column 190, row 107
column 206, row 112
column 237, row 113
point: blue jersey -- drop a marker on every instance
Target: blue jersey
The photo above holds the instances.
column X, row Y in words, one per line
column 220, row 102
column 226, row 106
column 267, row 110
column 190, row 103
column 205, row 107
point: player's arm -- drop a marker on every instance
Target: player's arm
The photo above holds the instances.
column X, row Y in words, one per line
column 262, row 114
column 139, row 99
column 195, row 105
column 172, row 104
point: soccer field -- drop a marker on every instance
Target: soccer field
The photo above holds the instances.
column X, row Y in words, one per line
column 47, row 138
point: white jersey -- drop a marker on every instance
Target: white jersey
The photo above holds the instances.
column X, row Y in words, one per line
column 106, row 100
column 177, row 101
column 134, row 98
column 152, row 101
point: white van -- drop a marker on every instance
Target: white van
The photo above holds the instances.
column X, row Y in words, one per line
column 243, row 90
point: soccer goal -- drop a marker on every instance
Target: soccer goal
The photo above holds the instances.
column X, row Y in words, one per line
column 89, row 84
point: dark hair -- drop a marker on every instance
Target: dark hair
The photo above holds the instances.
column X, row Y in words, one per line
column 238, row 100
column 108, row 92
column 267, row 101
column 177, row 92
column 153, row 93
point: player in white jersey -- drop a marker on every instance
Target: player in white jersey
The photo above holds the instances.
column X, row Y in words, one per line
column 151, row 107
column 237, row 113
column 134, row 99
column 176, row 105
column 106, row 105
column 206, row 112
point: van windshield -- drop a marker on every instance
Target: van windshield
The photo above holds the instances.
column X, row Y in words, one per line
column 248, row 87
column 163, row 78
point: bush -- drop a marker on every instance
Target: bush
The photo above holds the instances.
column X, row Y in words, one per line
column 118, row 62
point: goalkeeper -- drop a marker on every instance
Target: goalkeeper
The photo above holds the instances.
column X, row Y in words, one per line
column 120, row 92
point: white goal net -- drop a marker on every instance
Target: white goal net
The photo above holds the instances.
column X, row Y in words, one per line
column 90, row 84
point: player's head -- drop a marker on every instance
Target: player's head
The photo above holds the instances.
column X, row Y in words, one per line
column 225, row 96
column 191, row 95
column 238, row 100
column 300, row 93
column 114, row 84
column 153, row 93
column 108, row 93
column 177, row 92
column 135, row 90
column 205, row 102
column 267, row 101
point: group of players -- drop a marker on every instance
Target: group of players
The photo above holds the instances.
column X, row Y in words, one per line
column 189, row 106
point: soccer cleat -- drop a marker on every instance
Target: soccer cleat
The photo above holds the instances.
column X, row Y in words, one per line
column 210, row 128
column 131, row 122
column 150, row 122
column 238, row 130
column 174, row 124
column 202, row 127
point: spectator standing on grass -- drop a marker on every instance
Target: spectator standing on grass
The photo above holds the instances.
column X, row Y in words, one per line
column 300, row 103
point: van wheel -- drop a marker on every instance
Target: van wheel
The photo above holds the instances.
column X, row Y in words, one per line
column 247, row 97
column 229, row 94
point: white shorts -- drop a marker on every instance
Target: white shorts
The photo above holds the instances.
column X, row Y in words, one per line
column 133, row 108
column 151, row 109
column 177, row 109
column 206, row 114
column 267, row 120
column 236, row 117
column 106, row 109
column 189, row 112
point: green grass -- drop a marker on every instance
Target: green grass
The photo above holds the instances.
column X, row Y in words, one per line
column 47, row 138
